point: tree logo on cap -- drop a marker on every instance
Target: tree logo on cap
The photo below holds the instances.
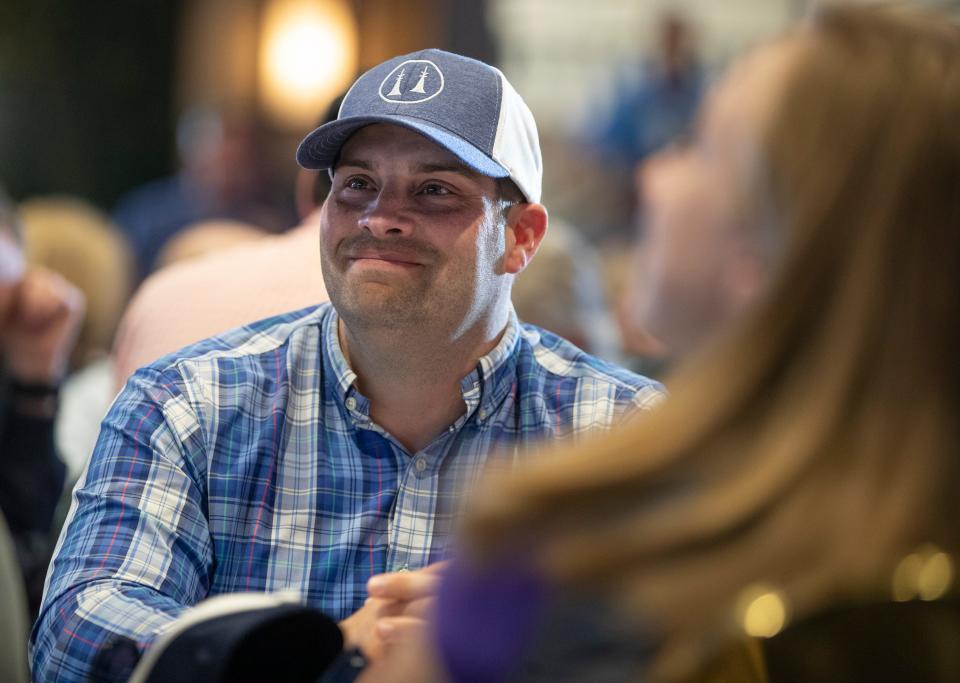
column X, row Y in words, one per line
column 411, row 82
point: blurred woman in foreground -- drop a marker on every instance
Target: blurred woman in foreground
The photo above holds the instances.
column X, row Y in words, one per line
column 809, row 450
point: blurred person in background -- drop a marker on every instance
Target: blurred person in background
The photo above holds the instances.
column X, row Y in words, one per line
column 219, row 178
column 311, row 450
column 698, row 264
column 656, row 105
column 241, row 277
column 562, row 291
column 40, row 316
column 805, row 468
column 652, row 108
column 204, row 238
column 650, row 105
column 74, row 239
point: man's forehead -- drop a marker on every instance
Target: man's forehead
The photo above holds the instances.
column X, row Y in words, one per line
column 381, row 143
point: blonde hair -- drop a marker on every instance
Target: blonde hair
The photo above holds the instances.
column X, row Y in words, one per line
column 818, row 441
column 204, row 237
column 73, row 238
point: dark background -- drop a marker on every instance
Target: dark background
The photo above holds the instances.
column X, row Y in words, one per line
column 85, row 95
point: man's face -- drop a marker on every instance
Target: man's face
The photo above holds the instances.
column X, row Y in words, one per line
column 410, row 236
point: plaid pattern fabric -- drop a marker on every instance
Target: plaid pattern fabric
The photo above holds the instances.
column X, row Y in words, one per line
column 249, row 462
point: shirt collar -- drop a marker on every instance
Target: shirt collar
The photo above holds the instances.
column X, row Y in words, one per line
column 342, row 372
column 492, row 378
column 484, row 388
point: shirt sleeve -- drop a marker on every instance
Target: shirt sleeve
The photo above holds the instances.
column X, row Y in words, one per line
column 644, row 399
column 135, row 551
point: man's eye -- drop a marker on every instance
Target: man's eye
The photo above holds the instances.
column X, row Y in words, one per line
column 355, row 184
column 435, row 189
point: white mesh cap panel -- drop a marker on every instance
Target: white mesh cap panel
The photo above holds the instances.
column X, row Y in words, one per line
column 516, row 146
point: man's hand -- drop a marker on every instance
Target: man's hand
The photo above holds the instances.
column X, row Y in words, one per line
column 41, row 329
column 400, row 594
column 409, row 654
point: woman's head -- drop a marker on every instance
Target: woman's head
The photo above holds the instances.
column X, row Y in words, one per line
column 817, row 440
column 839, row 122
column 703, row 257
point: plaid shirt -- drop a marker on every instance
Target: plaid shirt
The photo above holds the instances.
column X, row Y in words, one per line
column 249, row 462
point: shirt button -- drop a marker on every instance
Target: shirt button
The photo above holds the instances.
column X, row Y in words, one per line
column 420, row 464
column 351, row 403
column 483, row 414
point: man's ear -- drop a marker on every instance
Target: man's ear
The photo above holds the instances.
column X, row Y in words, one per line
column 526, row 228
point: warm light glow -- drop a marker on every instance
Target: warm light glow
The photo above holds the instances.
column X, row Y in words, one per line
column 308, row 56
column 762, row 611
column 905, row 577
column 935, row 578
column 926, row 574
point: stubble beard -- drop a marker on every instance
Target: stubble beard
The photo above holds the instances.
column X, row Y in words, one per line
column 375, row 304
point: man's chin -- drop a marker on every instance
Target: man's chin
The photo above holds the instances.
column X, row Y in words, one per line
column 392, row 309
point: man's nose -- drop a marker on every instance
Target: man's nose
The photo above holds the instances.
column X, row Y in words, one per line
column 387, row 215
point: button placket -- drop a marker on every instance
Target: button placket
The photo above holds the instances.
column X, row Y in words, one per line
column 411, row 525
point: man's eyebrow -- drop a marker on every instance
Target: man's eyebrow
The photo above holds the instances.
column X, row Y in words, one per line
column 436, row 167
column 427, row 167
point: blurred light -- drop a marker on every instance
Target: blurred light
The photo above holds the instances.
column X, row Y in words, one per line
column 926, row 574
column 762, row 612
column 935, row 577
column 308, row 56
column 905, row 577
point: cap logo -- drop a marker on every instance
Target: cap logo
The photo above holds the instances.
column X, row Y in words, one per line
column 412, row 82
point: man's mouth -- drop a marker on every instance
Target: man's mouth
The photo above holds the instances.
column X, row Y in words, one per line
column 383, row 259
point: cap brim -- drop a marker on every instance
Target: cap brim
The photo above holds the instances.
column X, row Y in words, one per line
column 320, row 149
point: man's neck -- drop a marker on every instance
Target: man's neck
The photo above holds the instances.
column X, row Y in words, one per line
column 412, row 377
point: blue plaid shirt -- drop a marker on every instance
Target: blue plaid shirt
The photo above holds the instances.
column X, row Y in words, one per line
column 249, row 462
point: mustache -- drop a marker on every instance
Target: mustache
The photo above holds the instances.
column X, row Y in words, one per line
column 403, row 247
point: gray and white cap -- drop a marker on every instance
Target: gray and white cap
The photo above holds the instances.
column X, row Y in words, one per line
column 465, row 106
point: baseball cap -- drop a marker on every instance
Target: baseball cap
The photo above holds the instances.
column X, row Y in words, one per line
column 467, row 107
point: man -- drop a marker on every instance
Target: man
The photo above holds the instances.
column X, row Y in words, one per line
column 40, row 315
column 312, row 450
